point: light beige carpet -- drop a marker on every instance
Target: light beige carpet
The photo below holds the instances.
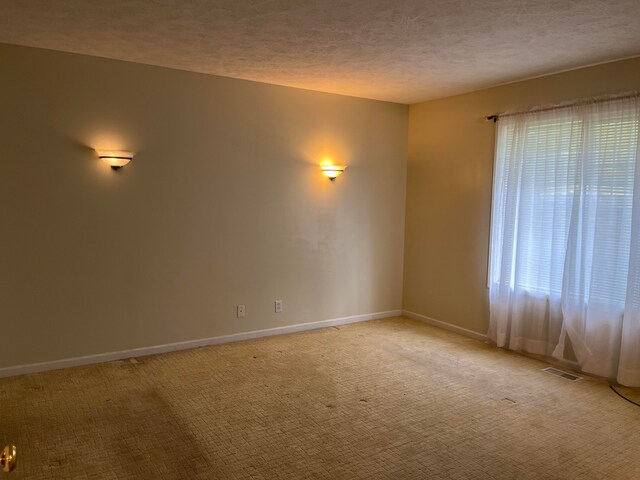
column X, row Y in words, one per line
column 386, row 399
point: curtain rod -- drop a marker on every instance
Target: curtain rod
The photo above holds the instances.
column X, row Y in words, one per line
column 495, row 117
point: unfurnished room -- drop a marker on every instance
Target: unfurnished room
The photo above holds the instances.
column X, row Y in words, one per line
column 319, row 239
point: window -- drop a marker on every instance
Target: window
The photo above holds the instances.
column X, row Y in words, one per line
column 565, row 235
column 543, row 172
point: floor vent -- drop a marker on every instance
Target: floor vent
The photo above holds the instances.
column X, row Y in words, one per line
column 560, row 373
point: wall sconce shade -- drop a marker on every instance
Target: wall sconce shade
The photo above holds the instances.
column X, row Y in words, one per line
column 116, row 159
column 332, row 171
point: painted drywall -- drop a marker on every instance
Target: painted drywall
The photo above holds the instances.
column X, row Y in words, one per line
column 223, row 204
column 450, row 169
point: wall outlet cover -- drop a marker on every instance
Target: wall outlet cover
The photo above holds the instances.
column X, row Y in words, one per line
column 279, row 306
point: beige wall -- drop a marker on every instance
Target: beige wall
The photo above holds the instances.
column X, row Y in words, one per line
column 223, row 204
column 449, row 187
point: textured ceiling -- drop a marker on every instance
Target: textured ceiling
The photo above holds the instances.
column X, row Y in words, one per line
column 397, row 50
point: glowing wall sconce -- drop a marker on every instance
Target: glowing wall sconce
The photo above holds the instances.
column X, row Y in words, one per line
column 116, row 159
column 332, row 171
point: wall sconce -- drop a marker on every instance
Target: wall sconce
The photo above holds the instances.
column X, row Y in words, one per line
column 332, row 171
column 116, row 159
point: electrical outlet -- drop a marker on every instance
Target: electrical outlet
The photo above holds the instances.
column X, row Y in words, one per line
column 240, row 311
column 279, row 306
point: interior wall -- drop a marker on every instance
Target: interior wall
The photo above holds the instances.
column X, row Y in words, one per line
column 449, row 181
column 223, row 204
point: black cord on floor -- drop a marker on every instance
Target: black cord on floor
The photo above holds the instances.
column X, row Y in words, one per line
column 620, row 395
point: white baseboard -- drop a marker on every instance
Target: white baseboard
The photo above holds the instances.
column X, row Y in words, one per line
column 173, row 347
column 444, row 325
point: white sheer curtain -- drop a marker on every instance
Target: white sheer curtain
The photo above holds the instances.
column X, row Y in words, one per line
column 565, row 236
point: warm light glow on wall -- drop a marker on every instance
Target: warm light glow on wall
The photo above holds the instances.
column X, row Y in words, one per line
column 332, row 171
column 116, row 159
